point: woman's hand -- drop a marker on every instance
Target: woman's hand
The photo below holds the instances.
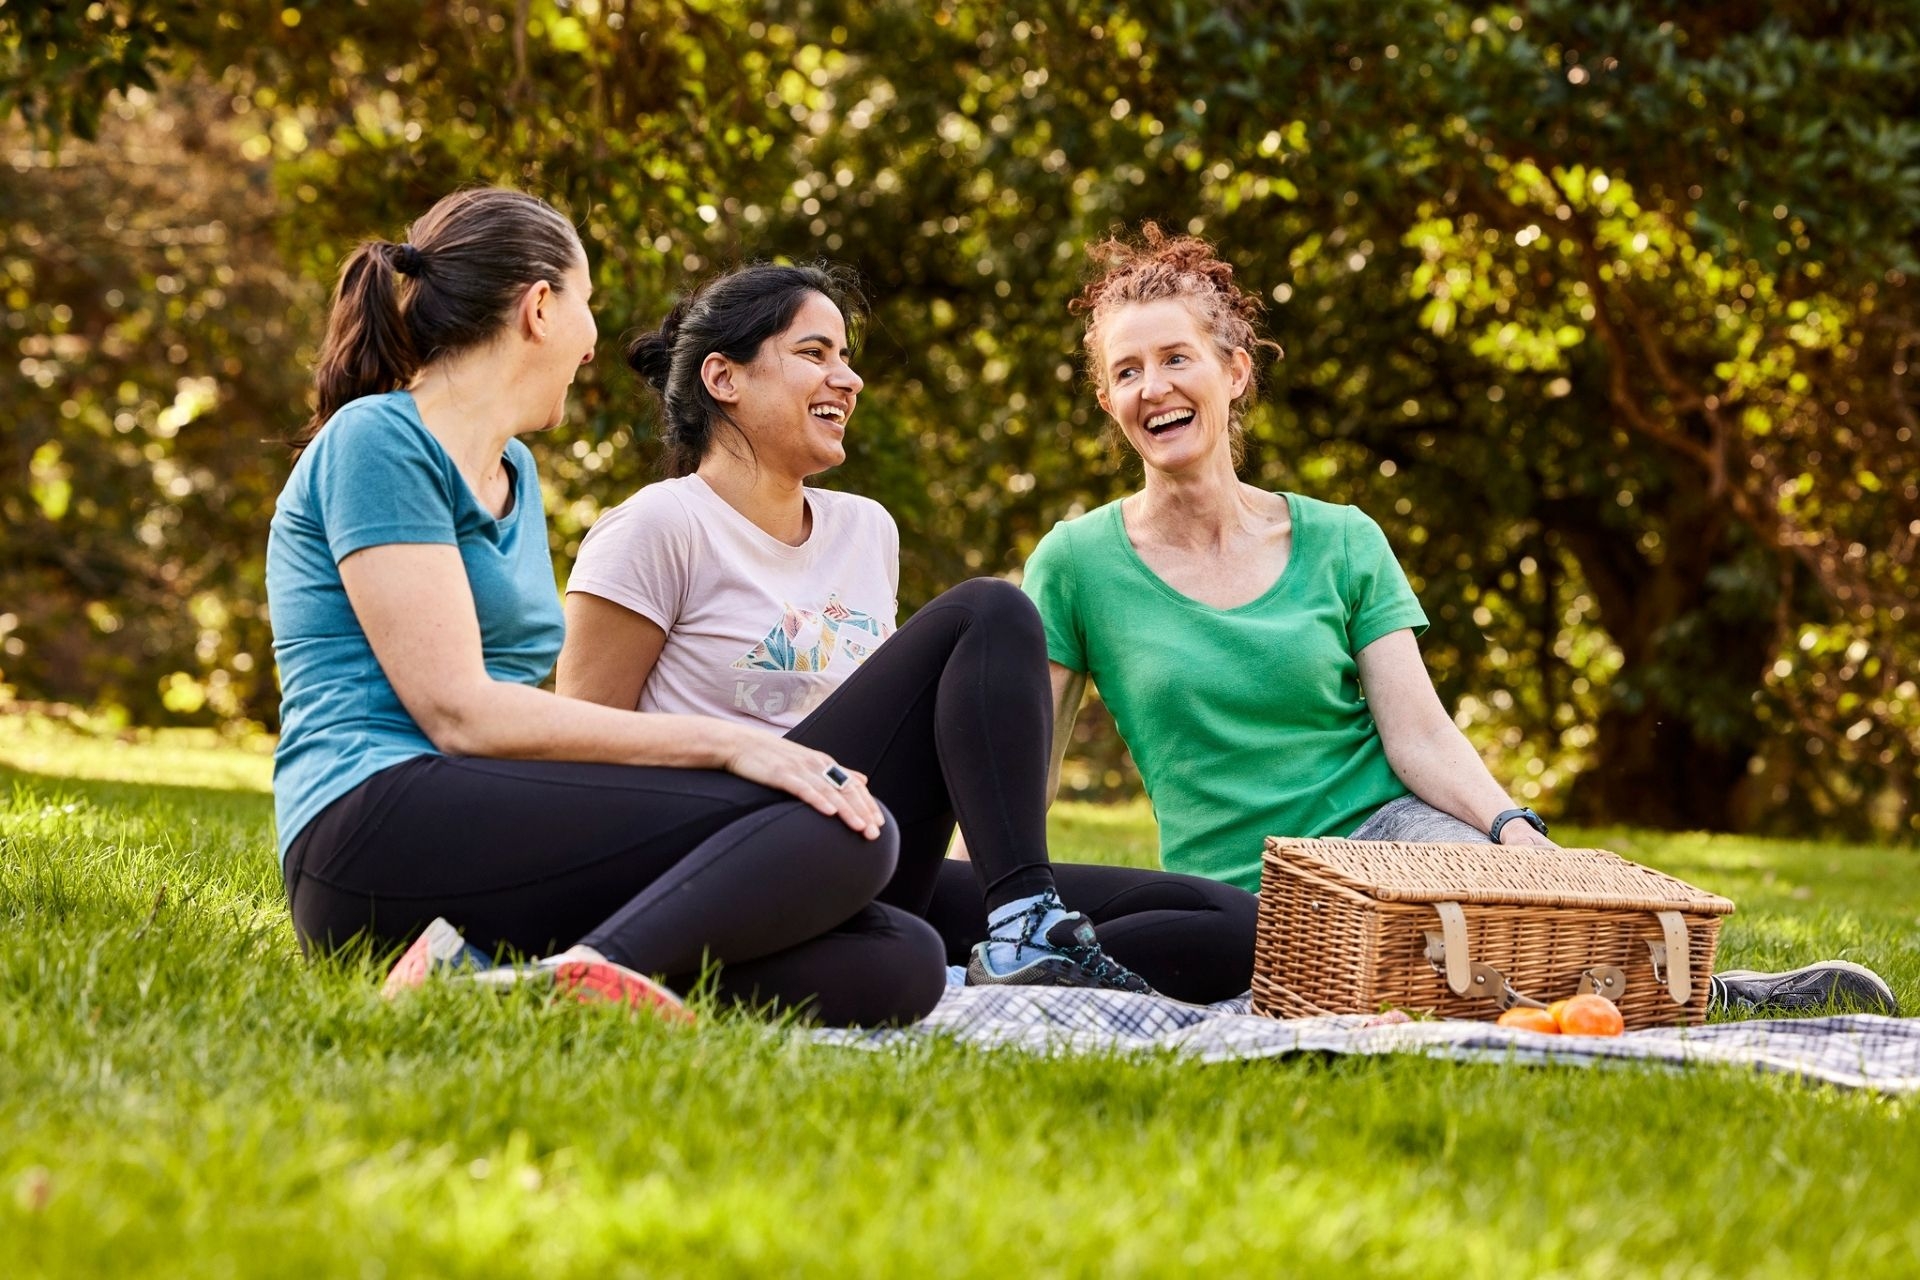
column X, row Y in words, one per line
column 1518, row 832
column 801, row 772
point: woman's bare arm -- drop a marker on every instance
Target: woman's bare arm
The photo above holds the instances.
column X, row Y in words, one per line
column 610, row 652
column 1426, row 749
column 416, row 608
column 1069, row 690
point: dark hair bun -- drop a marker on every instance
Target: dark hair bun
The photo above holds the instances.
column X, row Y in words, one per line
column 651, row 354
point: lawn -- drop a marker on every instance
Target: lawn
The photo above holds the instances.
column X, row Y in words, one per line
column 180, row 1095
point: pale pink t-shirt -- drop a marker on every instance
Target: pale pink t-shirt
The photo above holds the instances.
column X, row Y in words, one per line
column 757, row 631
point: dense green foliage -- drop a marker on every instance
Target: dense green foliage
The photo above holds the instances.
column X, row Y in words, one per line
column 1606, row 312
column 179, row 1095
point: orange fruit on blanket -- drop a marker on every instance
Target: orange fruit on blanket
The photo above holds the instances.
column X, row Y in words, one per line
column 1525, row 1019
column 1556, row 1008
column 1591, row 1015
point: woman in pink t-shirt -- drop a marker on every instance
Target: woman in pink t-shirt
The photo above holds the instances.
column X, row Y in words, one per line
column 732, row 589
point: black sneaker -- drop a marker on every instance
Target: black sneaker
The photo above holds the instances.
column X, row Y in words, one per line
column 1829, row 984
column 1070, row 956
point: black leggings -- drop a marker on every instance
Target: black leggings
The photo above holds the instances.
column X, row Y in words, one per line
column 664, row 869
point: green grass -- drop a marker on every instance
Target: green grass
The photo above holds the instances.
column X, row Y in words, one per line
column 179, row 1095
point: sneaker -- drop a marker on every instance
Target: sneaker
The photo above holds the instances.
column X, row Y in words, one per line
column 1829, row 984
column 591, row 978
column 1069, row 955
column 579, row 972
column 439, row 948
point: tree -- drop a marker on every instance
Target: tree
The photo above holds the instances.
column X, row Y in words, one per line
column 1607, row 313
column 1586, row 303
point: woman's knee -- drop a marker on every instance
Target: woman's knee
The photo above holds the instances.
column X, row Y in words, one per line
column 996, row 602
column 863, row 866
column 993, row 597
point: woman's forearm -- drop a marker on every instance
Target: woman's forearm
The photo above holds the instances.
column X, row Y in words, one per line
column 1428, row 752
column 518, row 722
column 1441, row 767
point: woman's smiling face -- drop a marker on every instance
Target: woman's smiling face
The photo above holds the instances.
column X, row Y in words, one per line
column 799, row 392
column 1166, row 385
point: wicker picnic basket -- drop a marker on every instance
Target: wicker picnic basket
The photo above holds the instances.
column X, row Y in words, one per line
column 1467, row 930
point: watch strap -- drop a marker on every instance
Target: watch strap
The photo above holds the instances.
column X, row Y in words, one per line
column 1527, row 816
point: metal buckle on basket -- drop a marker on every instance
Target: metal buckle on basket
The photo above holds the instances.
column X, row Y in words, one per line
column 1604, row 980
column 1490, row 984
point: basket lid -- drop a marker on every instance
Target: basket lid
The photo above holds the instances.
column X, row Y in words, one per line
column 1494, row 875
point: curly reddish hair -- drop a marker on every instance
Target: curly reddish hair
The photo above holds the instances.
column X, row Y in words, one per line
column 1158, row 266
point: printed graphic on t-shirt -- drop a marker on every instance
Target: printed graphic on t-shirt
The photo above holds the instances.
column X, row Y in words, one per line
column 805, row 640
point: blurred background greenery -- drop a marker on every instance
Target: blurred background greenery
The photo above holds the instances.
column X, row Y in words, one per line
column 1606, row 312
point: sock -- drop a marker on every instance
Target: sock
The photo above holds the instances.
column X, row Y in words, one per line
column 1007, row 922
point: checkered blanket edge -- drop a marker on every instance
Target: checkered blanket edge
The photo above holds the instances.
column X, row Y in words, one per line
column 1856, row 1051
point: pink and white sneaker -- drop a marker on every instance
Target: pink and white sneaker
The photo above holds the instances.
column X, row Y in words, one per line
column 590, row 977
column 579, row 972
column 439, row 948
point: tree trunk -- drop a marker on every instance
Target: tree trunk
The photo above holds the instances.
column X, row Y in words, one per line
column 1653, row 770
column 1673, row 746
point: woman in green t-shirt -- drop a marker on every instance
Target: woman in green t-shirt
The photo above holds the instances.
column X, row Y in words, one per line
column 1232, row 631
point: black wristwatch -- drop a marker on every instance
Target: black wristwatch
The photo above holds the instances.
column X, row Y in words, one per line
column 1527, row 816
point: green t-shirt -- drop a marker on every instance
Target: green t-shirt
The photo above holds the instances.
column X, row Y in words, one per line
column 1244, row 722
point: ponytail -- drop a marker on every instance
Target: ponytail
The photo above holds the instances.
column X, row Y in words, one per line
column 449, row 287
column 651, row 356
column 367, row 350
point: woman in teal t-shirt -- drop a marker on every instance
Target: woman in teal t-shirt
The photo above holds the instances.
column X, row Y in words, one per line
column 422, row 772
column 1257, row 649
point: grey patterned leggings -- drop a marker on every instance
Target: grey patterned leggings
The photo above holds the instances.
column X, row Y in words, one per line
column 1411, row 820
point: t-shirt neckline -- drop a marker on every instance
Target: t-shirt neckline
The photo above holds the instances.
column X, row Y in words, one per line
column 766, row 541
column 1161, row 585
column 512, row 513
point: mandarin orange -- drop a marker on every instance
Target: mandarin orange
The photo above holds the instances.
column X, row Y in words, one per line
column 1525, row 1019
column 1591, row 1015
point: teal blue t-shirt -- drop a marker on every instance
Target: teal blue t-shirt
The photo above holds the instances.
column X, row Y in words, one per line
column 375, row 475
column 1244, row 722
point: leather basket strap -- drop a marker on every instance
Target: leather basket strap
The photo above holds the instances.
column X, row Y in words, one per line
column 1453, row 932
column 1679, row 956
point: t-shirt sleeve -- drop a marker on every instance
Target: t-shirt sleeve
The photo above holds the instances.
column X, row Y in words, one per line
column 878, row 535
column 640, row 556
column 374, row 482
column 1379, row 598
column 893, row 557
column 1051, row 582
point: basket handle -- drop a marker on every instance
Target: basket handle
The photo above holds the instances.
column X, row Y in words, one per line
column 1447, row 953
column 1453, row 946
column 1674, row 955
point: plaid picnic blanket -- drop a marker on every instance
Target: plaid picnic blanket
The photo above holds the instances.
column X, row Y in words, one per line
column 1858, row 1051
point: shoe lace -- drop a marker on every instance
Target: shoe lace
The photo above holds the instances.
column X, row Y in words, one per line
column 1094, row 959
column 1029, row 919
column 1088, row 955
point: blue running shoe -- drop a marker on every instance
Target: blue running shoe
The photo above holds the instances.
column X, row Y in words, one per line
column 1067, row 955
